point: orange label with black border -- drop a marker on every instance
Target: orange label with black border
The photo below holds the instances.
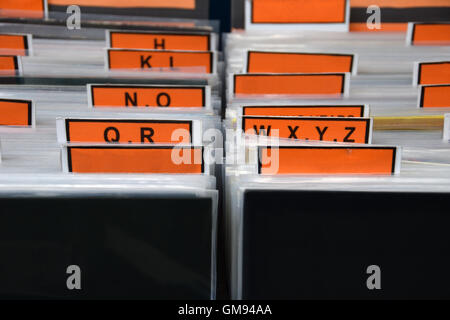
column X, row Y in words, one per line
column 12, row 44
column 351, row 130
column 159, row 41
column 9, row 65
column 290, row 62
column 154, row 159
column 327, row 160
column 22, row 8
column 289, row 84
column 305, row 111
column 434, row 73
column 146, row 96
column 435, row 96
column 166, row 61
column 299, row 11
column 169, row 4
column 431, row 34
column 126, row 131
column 16, row 112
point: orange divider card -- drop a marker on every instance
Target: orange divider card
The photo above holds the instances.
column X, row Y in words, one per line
column 306, row 111
column 147, row 96
column 298, row 11
column 16, row 112
column 127, row 131
column 168, row 4
column 14, row 44
column 385, row 27
column 429, row 34
column 176, row 61
column 9, row 66
column 142, row 159
column 290, row 84
column 293, row 62
column 435, row 96
column 328, row 160
column 22, row 8
column 433, row 73
column 159, row 40
column 351, row 130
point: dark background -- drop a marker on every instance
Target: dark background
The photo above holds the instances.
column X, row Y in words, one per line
column 220, row 10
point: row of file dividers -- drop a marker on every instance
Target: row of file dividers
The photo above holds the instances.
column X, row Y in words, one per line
column 104, row 187
column 343, row 178
column 327, row 178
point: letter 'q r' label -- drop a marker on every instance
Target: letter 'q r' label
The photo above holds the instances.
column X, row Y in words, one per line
column 117, row 96
column 125, row 131
column 159, row 41
column 162, row 61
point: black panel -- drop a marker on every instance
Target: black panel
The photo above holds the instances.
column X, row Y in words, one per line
column 238, row 14
column 431, row 14
column 305, row 245
column 130, row 248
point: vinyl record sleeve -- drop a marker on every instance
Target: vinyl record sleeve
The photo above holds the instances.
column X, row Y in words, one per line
column 124, row 246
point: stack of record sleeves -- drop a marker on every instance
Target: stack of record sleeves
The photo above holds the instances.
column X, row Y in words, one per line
column 337, row 173
column 104, row 187
column 304, row 155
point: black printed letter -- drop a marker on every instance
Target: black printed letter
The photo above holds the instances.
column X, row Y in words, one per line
column 351, row 130
column 147, row 133
column 161, row 45
column 262, row 130
column 293, row 132
column 116, row 133
column 132, row 101
column 321, row 133
column 158, row 100
column 145, row 62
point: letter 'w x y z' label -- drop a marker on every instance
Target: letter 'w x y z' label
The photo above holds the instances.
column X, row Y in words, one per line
column 350, row 130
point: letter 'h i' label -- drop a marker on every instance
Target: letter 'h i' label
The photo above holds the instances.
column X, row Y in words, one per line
column 160, row 40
